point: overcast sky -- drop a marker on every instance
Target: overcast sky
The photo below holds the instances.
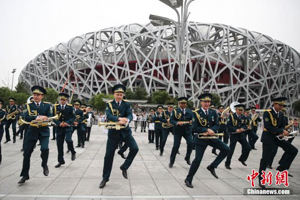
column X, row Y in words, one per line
column 28, row 27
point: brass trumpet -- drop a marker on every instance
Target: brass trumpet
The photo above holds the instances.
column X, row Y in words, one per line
column 39, row 124
column 216, row 136
column 112, row 125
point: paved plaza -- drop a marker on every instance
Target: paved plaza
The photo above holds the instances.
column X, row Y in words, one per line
column 149, row 176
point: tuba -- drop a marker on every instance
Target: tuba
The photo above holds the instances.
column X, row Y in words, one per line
column 232, row 108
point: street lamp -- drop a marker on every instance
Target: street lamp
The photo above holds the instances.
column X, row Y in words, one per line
column 180, row 26
column 13, row 72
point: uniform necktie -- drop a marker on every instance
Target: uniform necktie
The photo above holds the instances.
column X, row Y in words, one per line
column 38, row 105
column 206, row 113
column 118, row 104
column 62, row 107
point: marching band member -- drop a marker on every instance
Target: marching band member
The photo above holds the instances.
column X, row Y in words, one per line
column 64, row 128
column 206, row 124
column 181, row 119
column 237, row 127
column 166, row 129
column 39, row 111
column 151, row 126
column 252, row 137
column 2, row 122
column 78, row 123
column 222, row 127
column 90, row 121
column 158, row 126
column 11, row 108
column 119, row 111
column 254, row 124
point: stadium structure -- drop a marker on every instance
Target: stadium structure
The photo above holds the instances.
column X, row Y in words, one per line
column 240, row 65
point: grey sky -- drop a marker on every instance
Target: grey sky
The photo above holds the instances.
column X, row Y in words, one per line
column 28, row 27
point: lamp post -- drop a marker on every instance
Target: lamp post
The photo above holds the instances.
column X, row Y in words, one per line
column 12, row 84
column 180, row 26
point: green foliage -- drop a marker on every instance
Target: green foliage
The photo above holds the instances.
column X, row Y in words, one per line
column 129, row 94
column 21, row 88
column 51, row 95
column 6, row 93
column 216, row 100
column 98, row 103
column 140, row 93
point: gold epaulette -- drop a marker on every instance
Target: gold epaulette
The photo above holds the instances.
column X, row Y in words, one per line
column 56, row 104
column 109, row 101
column 47, row 102
column 4, row 110
column 195, row 110
column 69, row 104
column 28, row 103
column 269, row 110
column 126, row 100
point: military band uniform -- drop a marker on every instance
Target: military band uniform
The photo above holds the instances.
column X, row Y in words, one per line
column 89, row 128
column 80, row 129
column 222, row 129
column 274, row 124
column 180, row 131
column 254, row 128
column 252, row 137
column 151, row 133
column 158, row 129
column 13, row 122
column 236, row 122
column 66, row 114
column 36, row 133
column 113, row 112
column 202, row 122
column 165, row 131
column 2, row 123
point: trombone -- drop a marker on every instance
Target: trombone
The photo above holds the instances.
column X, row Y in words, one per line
column 215, row 136
column 112, row 125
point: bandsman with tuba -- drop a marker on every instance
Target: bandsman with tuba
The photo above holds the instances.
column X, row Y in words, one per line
column 274, row 127
column 205, row 126
column 237, row 128
column 36, row 111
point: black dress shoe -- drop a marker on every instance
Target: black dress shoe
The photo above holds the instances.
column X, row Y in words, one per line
column 59, row 164
column 68, row 151
column 215, row 153
column 254, row 148
column 82, row 146
column 188, row 161
column 161, row 153
column 124, row 172
column 122, row 154
column 188, row 183
column 212, row 171
column 73, row 156
column 14, row 140
column 261, row 185
column 279, row 168
column 227, row 167
column 270, row 167
column 156, row 148
column 78, row 146
column 46, row 171
column 53, row 139
column 6, row 141
column 243, row 162
column 178, row 152
column 170, row 165
column 290, row 175
column 103, row 183
column 21, row 137
column 23, row 179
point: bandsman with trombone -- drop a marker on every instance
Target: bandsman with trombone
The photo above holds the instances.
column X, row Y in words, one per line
column 274, row 131
column 167, row 127
column 237, row 128
column 37, row 115
column 205, row 127
column 119, row 115
column 64, row 127
column 2, row 122
column 181, row 119
column 11, row 119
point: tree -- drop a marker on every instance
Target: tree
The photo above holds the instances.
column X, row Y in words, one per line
column 141, row 93
column 21, row 88
column 5, row 94
column 98, row 103
column 216, row 100
column 160, row 97
column 129, row 94
column 51, row 96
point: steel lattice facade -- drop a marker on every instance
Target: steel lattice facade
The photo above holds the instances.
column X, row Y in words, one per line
column 240, row 65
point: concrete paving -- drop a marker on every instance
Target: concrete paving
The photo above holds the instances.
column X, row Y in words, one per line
column 149, row 176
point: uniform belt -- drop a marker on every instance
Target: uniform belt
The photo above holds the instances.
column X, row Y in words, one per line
column 158, row 122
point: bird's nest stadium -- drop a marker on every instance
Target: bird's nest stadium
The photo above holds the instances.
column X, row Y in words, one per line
column 240, row 65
